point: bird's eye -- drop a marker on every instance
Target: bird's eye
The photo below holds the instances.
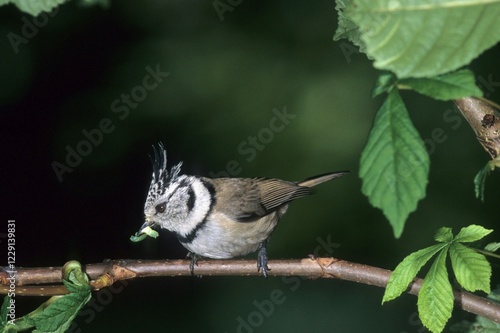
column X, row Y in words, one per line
column 160, row 208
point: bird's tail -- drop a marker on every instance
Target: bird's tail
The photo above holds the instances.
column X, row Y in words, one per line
column 313, row 181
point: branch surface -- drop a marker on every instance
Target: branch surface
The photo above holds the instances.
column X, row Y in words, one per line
column 484, row 119
column 104, row 274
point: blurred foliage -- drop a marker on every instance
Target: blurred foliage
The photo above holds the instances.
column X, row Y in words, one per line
column 225, row 79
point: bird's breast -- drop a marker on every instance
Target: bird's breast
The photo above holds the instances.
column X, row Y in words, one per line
column 223, row 238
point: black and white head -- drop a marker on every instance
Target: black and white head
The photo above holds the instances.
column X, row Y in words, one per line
column 175, row 202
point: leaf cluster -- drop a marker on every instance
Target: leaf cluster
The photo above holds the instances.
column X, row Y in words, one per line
column 420, row 46
column 56, row 314
column 435, row 299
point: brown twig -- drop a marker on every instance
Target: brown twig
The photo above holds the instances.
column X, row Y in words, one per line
column 484, row 119
column 105, row 274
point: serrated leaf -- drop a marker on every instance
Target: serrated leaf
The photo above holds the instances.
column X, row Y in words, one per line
column 407, row 270
column 56, row 314
column 57, row 317
column 492, row 247
column 385, row 82
column 443, row 235
column 446, row 87
column 346, row 28
column 35, row 7
column 472, row 233
column 471, row 269
column 423, row 39
column 394, row 163
column 435, row 299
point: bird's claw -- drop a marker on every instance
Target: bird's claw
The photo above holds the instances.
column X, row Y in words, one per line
column 194, row 261
column 262, row 260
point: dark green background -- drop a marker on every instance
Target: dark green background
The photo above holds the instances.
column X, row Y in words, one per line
column 226, row 77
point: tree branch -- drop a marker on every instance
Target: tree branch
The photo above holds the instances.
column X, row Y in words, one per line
column 106, row 273
column 483, row 117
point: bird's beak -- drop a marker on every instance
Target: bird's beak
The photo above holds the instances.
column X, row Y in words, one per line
column 143, row 226
column 143, row 232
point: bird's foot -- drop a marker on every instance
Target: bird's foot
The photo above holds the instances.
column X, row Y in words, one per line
column 193, row 262
column 262, row 260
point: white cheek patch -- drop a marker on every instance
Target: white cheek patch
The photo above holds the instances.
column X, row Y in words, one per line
column 202, row 203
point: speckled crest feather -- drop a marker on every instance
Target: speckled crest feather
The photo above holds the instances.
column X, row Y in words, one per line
column 160, row 177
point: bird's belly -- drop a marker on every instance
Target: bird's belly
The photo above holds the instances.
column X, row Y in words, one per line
column 222, row 238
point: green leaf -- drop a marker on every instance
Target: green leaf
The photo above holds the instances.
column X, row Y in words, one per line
column 35, row 7
column 407, row 270
column 471, row 269
column 447, row 86
column 394, row 164
column 425, row 38
column 4, row 312
column 74, row 278
column 4, row 320
column 435, row 299
column 346, row 27
column 480, row 181
column 472, row 233
column 76, row 288
column 57, row 317
column 492, row 247
column 385, row 82
column 443, row 235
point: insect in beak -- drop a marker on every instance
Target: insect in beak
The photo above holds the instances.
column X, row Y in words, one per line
column 143, row 232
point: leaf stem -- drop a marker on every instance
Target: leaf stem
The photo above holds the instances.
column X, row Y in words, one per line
column 487, row 253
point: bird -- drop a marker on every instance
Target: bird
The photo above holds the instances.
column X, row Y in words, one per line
column 220, row 218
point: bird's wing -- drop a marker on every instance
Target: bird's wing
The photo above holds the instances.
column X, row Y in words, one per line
column 275, row 193
column 247, row 200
